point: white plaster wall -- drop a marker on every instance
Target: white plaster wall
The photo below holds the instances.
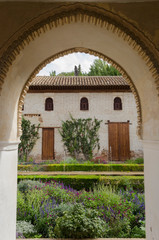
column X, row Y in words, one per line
column 8, row 189
column 100, row 106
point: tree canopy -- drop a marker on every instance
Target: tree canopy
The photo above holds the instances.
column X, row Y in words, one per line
column 101, row 68
column 52, row 73
column 98, row 68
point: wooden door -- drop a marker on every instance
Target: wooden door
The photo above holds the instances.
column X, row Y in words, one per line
column 119, row 146
column 48, row 144
column 113, row 141
column 124, row 144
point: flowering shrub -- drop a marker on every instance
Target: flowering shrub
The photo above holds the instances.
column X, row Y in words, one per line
column 19, row 235
column 80, row 222
column 21, row 206
column 49, row 206
column 137, row 204
column 26, row 185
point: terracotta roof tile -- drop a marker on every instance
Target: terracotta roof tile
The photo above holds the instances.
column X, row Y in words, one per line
column 78, row 81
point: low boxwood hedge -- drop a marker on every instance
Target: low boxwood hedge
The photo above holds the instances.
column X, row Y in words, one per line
column 85, row 167
column 25, row 167
column 79, row 182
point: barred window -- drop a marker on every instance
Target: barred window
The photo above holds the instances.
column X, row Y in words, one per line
column 117, row 103
column 84, row 104
column 49, row 104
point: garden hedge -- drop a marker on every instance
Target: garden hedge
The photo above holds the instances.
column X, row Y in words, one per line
column 25, row 167
column 84, row 167
column 79, row 182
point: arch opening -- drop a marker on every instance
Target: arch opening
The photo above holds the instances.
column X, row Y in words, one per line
column 92, row 52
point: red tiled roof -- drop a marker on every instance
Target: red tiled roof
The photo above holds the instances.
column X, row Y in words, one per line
column 78, row 82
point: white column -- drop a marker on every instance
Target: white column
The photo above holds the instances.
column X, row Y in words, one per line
column 151, row 169
column 8, row 189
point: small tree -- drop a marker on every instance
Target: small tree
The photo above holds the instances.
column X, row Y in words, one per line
column 76, row 71
column 52, row 73
column 80, row 136
column 79, row 70
column 30, row 134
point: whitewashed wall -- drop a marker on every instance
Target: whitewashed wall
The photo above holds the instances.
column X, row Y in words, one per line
column 100, row 106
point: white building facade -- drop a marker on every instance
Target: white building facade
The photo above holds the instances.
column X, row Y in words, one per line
column 118, row 132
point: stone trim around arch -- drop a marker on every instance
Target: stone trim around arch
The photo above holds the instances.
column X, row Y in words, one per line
column 83, row 12
column 72, row 50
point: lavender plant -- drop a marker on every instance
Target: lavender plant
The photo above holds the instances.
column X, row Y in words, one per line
column 123, row 212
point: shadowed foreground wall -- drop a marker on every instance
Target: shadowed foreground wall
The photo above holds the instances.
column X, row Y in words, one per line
column 138, row 58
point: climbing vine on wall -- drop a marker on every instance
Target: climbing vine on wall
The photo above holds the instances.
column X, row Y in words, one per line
column 80, row 136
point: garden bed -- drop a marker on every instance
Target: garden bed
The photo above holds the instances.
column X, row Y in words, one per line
column 53, row 210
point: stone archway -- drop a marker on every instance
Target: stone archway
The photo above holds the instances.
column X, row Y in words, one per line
column 100, row 55
column 78, row 27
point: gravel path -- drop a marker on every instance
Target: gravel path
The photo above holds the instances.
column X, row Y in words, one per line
column 83, row 173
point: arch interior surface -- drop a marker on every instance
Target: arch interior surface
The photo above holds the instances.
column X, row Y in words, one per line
column 64, row 29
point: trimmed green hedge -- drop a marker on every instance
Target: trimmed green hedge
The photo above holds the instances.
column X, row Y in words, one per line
column 84, row 167
column 25, row 167
column 79, row 182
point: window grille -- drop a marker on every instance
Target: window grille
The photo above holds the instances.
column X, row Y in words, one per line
column 117, row 103
column 84, row 104
column 48, row 104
